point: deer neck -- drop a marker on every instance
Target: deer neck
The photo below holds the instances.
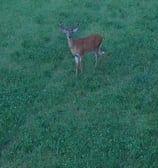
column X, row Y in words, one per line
column 70, row 42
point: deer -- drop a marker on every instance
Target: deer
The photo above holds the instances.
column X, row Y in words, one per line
column 81, row 46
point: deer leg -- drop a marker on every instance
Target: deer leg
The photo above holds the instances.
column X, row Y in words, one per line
column 80, row 59
column 96, row 59
column 77, row 60
column 100, row 52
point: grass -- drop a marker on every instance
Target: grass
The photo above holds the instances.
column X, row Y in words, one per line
column 107, row 117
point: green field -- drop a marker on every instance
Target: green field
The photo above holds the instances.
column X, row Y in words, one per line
column 105, row 118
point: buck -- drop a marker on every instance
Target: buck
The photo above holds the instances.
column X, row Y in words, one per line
column 80, row 47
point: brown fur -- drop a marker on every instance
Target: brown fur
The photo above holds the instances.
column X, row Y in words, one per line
column 85, row 45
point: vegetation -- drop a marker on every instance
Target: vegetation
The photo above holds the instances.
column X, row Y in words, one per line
column 105, row 118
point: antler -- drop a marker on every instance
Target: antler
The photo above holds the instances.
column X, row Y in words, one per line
column 78, row 23
column 61, row 24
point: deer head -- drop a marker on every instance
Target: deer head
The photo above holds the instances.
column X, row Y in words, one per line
column 69, row 32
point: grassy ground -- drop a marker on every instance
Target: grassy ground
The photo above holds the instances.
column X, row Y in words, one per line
column 108, row 117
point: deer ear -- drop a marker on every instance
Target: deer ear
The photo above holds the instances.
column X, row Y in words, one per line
column 61, row 25
column 76, row 28
column 63, row 30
